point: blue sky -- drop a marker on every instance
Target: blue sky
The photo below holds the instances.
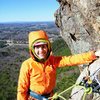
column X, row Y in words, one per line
column 27, row 10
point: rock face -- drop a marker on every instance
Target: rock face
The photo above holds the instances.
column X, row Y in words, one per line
column 79, row 24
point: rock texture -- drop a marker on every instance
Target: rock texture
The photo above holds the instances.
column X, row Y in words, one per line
column 94, row 69
column 79, row 24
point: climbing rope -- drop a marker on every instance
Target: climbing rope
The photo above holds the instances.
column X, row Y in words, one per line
column 86, row 84
column 59, row 95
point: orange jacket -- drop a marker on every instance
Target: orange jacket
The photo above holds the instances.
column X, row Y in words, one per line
column 41, row 77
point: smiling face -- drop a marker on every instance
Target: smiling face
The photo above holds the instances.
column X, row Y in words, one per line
column 41, row 51
column 39, row 46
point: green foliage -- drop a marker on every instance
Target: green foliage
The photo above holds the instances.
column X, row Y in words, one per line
column 9, row 70
column 3, row 44
column 59, row 47
column 7, row 86
column 27, row 49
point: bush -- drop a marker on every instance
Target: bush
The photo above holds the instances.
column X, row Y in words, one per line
column 7, row 87
column 3, row 44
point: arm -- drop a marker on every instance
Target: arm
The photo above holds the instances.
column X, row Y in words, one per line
column 75, row 59
column 23, row 83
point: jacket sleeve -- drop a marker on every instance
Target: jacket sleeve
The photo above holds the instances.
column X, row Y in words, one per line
column 23, row 83
column 75, row 59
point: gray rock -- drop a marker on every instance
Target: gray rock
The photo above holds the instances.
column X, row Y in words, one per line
column 79, row 24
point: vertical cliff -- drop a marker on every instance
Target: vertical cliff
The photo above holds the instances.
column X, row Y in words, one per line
column 79, row 24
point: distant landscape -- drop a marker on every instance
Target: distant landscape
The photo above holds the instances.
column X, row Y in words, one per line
column 14, row 50
column 19, row 31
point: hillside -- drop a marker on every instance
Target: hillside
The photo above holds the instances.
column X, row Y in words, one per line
column 19, row 31
column 10, row 61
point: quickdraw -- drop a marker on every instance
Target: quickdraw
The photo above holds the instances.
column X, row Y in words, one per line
column 91, row 83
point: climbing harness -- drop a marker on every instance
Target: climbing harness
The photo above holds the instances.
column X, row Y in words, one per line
column 38, row 96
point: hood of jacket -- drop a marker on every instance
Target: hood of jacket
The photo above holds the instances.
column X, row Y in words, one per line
column 35, row 37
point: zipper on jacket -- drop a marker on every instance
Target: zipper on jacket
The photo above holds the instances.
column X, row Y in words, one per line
column 44, row 74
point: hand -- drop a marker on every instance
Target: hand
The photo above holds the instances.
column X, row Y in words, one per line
column 97, row 53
